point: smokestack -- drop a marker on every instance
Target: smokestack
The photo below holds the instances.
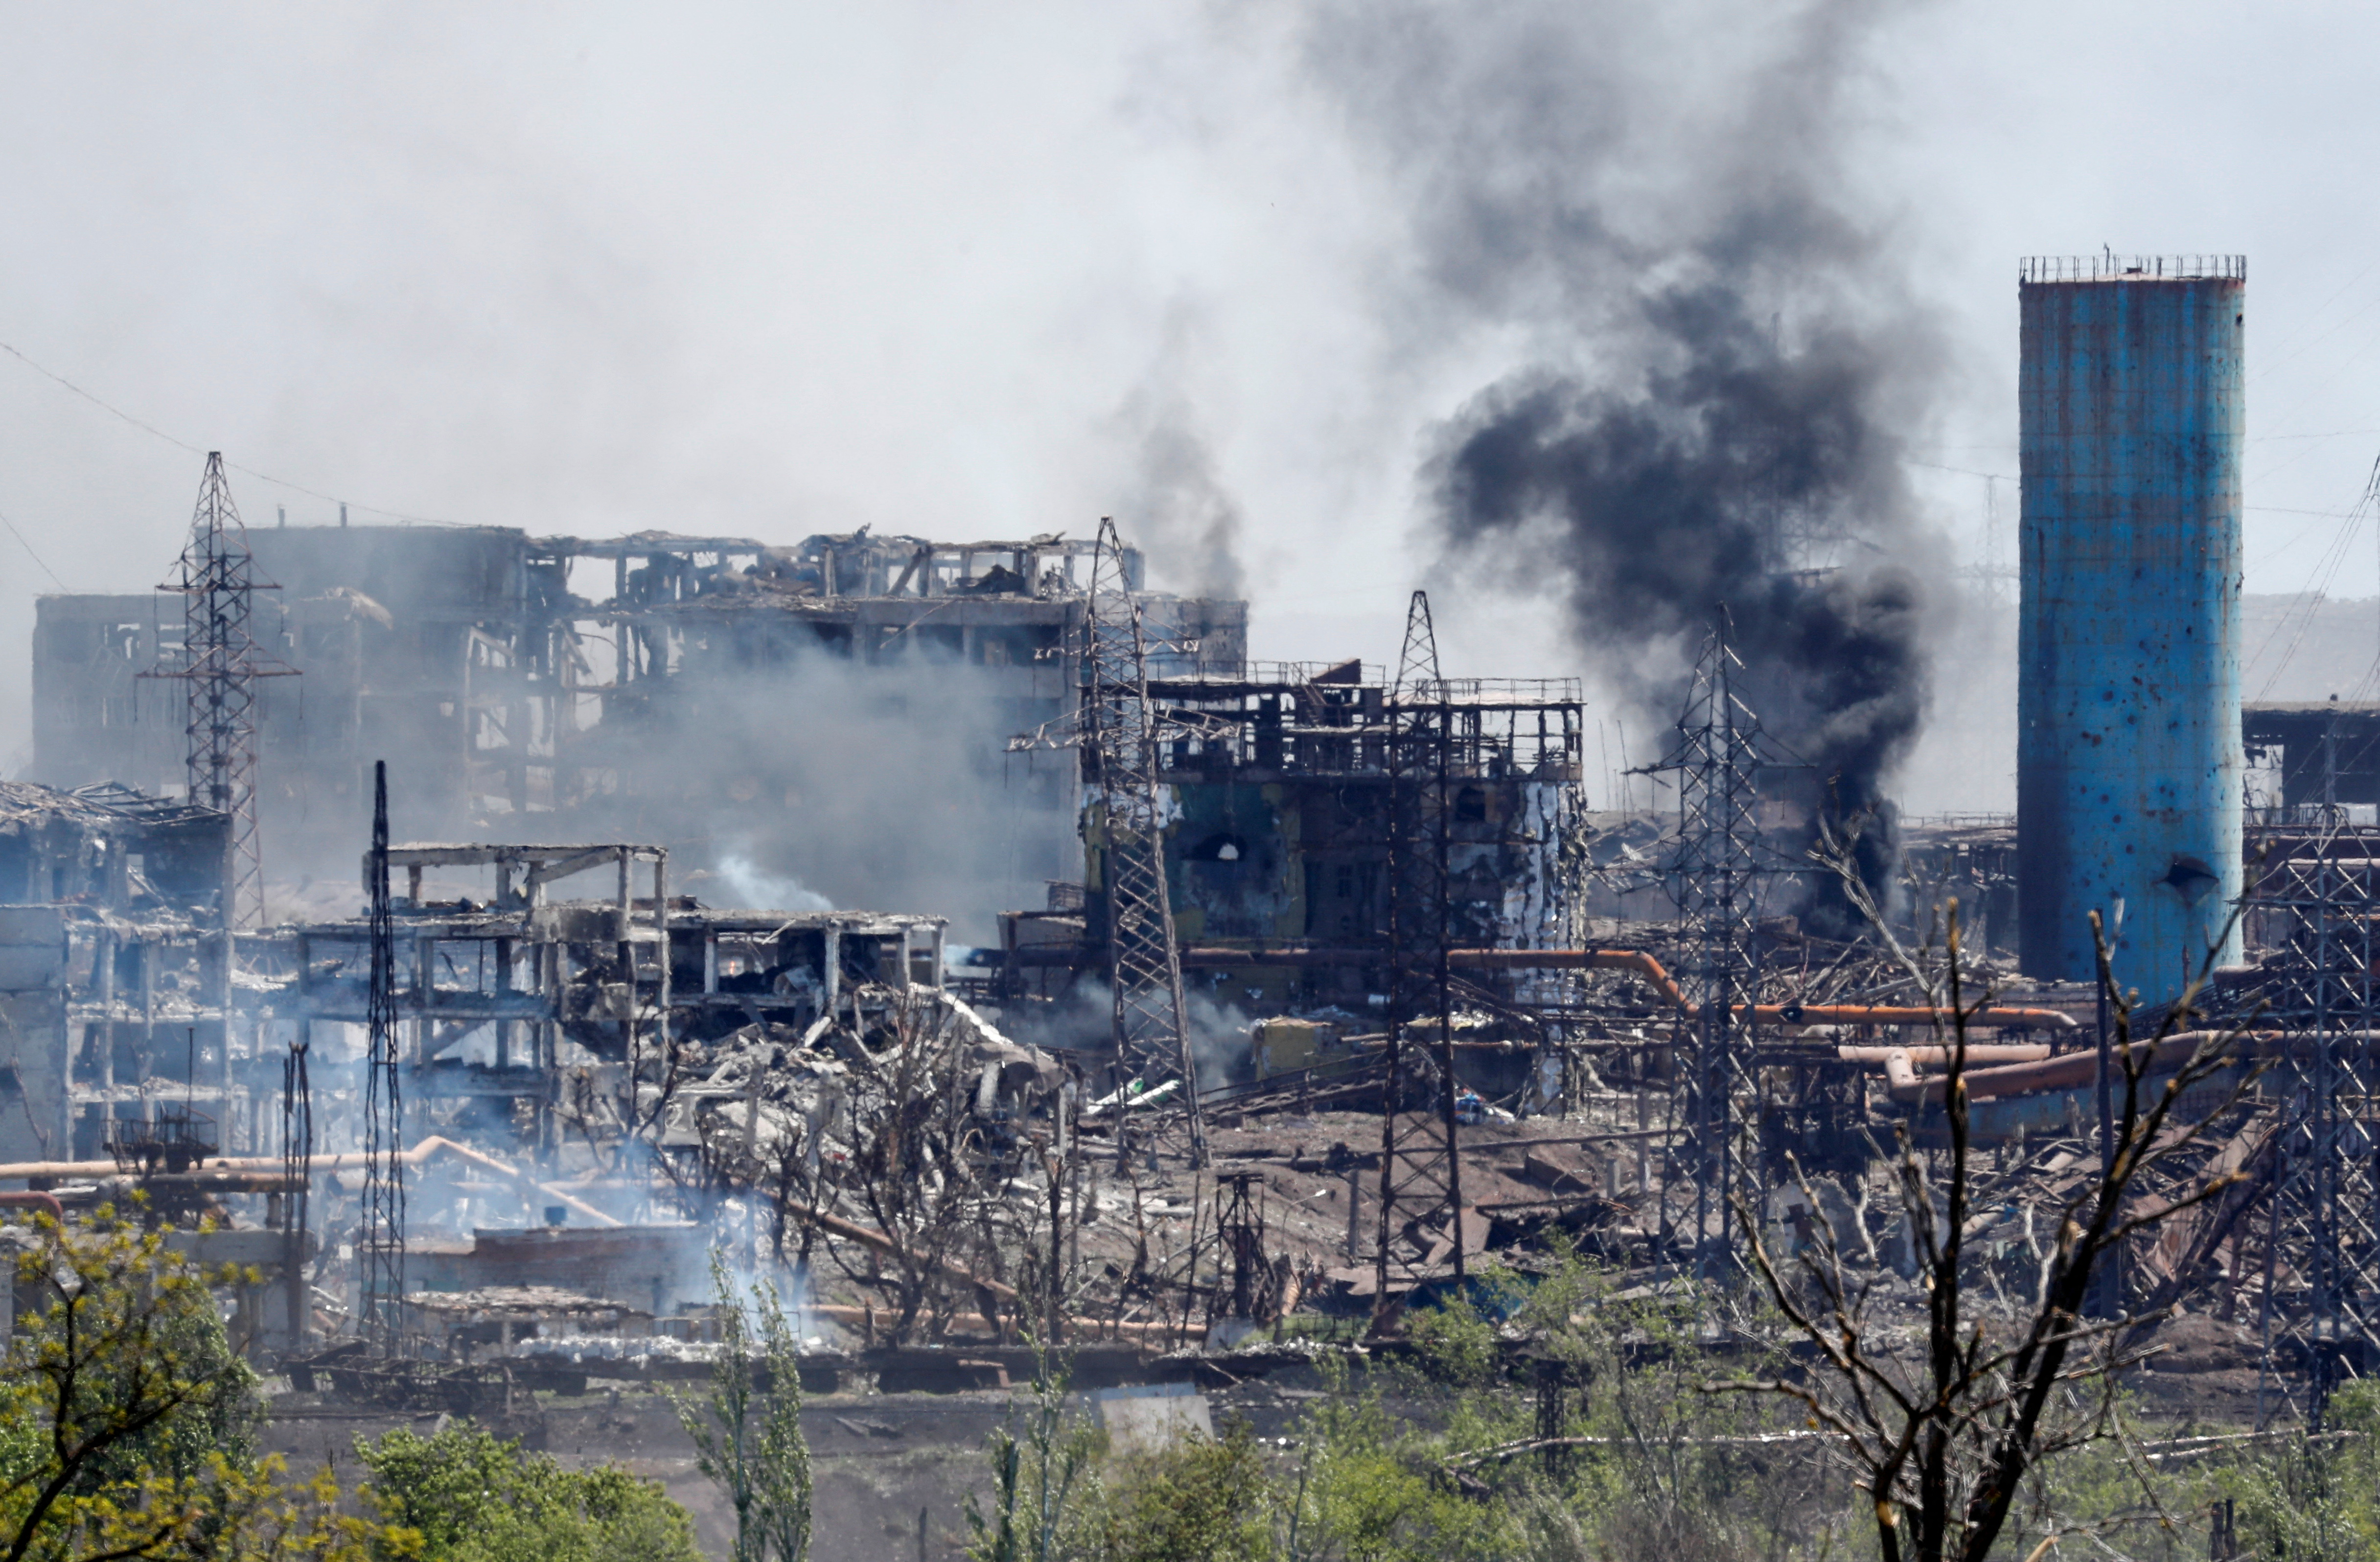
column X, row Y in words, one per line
column 2129, row 411
column 342, row 511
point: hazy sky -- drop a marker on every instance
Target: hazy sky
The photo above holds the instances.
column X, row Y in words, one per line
column 770, row 269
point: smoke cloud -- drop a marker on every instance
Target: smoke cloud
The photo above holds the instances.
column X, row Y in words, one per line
column 1718, row 359
column 834, row 782
column 1176, row 505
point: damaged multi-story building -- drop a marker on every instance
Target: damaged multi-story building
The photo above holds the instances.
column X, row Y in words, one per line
column 113, row 978
column 1277, row 852
column 829, row 714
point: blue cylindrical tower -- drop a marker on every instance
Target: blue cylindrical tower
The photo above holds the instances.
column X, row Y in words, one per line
column 2130, row 413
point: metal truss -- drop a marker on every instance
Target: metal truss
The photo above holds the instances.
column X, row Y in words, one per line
column 219, row 665
column 380, row 1235
column 1120, row 757
column 1420, row 1236
column 1713, row 872
column 1244, row 1287
column 2324, row 1220
column 297, row 1177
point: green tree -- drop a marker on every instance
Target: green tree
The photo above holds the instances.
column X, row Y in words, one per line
column 1042, row 1483
column 747, row 1438
column 122, row 1399
column 2317, row 1500
column 465, row 1495
column 1210, row 1497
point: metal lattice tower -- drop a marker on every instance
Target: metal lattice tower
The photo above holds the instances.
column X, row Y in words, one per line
column 219, row 665
column 1421, row 1173
column 1242, row 1288
column 1714, row 874
column 2325, row 1213
column 1121, row 747
column 297, row 1176
column 380, row 1235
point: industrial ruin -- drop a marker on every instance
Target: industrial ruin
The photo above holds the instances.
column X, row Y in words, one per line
column 475, row 931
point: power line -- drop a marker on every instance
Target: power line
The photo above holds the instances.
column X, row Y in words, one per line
column 28, row 547
column 147, row 428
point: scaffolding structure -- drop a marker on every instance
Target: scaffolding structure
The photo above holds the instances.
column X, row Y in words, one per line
column 1714, row 875
column 1421, row 1234
column 219, row 665
column 1119, row 748
column 2326, row 1210
column 379, row 1232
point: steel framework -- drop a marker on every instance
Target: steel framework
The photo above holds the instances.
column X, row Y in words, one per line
column 1244, row 1288
column 297, row 1176
column 380, row 1235
column 1420, row 1235
column 2325, row 1211
column 219, row 663
column 1120, row 751
column 1713, row 873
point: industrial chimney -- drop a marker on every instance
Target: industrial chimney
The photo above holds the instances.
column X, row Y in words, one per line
column 2128, row 704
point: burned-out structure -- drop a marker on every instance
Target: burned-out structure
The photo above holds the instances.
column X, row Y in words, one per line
column 115, row 983
column 632, row 1016
column 549, row 992
column 1277, row 846
column 2309, row 756
column 694, row 692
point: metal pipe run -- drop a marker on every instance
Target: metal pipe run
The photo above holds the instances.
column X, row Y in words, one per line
column 2070, row 1070
column 1984, row 1052
column 1642, row 962
column 427, row 1149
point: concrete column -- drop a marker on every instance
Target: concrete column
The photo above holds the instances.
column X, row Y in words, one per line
column 103, row 956
column 503, row 986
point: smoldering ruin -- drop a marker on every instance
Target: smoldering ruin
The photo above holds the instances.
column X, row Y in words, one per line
column 476, row 934
column 1108, row 986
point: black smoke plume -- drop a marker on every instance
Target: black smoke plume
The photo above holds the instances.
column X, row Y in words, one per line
column 1656, row 512
column 1719, row 363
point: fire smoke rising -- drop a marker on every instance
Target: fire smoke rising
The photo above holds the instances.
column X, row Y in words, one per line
column 1720, row 361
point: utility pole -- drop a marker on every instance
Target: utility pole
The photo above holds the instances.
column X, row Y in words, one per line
column 1420, row 1217
column 379, row 1236
column 1121, row 743
column 1714, row 869
column 219, row 665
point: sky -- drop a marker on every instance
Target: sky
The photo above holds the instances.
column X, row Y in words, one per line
column 767, row 270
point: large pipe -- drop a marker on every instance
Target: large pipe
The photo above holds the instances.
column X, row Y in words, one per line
column 1984, row 1052
column 35, row 1200
column 1642, row 962
column 431, row 1147
column 2068, row 1070
column 1077, row 1330
column 867, row 1236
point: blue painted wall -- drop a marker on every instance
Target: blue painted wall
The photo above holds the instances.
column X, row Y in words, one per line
column 2127, row 750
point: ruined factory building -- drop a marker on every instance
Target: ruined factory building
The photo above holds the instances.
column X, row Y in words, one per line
column 629, row 688
column 113, row 984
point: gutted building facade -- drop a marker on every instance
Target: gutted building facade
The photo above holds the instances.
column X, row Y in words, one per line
column 830, row 715
column 114, row 983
